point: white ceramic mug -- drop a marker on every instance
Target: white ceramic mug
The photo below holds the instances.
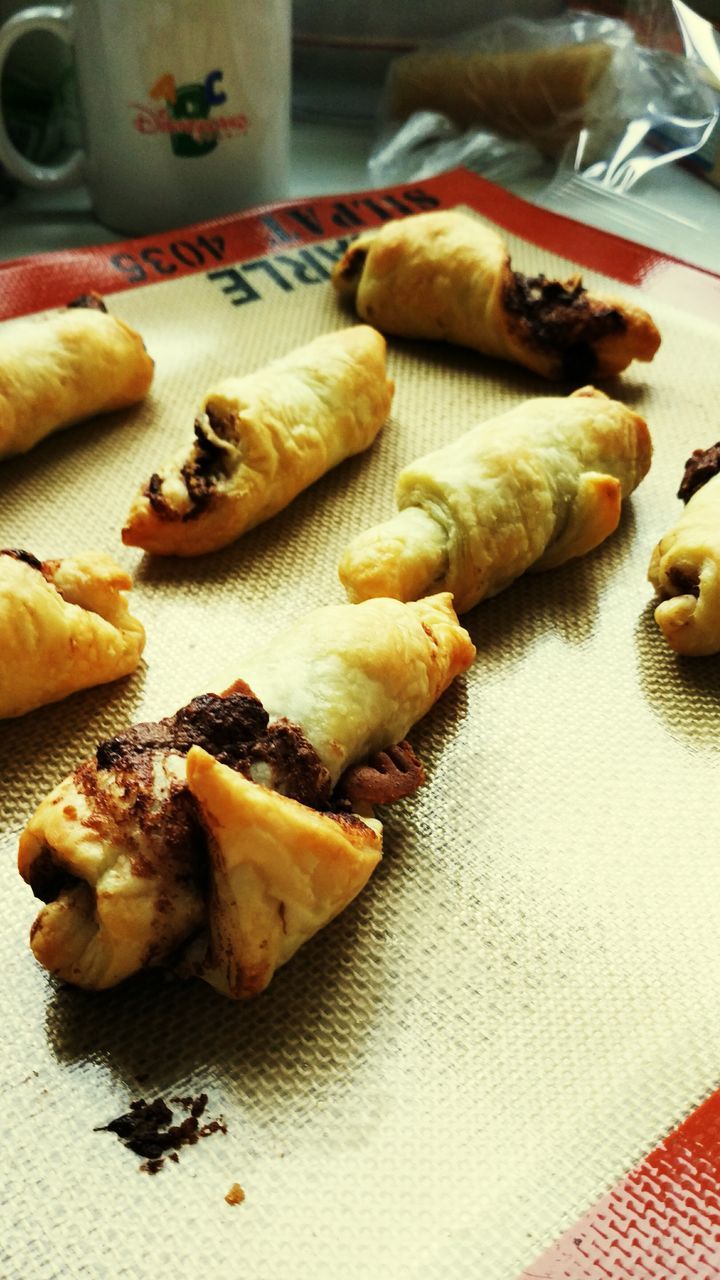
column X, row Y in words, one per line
column 185, row 106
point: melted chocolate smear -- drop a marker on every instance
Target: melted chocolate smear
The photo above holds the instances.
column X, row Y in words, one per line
column 24, row 556
column 700, row 467
column 559, row 316
column 234, row 729
column 222, row 726
column 146, row 1129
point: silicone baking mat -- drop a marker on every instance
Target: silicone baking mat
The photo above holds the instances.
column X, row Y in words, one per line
column 505, row 1026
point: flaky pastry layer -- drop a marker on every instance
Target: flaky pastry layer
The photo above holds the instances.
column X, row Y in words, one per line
column 532, row 488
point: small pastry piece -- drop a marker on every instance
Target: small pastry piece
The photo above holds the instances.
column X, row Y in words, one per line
column 530, row 489
column 536, row 94
column 260, row 440
column 280, row 872
column 447, row 276
column 64, row 625
column 119, row 851
column 685, row 565
column 62, row 368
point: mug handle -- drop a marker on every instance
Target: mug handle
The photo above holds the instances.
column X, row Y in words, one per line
column 59, row 22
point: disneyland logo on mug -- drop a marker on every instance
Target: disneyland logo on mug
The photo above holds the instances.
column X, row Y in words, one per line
column 186, row 116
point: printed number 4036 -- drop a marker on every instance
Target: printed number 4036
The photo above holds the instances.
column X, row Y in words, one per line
column 156, row 260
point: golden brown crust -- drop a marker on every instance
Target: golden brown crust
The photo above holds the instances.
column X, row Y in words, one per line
column 448, row 277
column 62, row 368
column 64, row 625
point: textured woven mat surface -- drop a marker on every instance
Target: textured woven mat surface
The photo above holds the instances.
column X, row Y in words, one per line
column 522, row 1001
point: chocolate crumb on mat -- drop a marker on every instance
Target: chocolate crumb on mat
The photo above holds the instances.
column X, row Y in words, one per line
column 148, row 1131
column 700, row 467
column 235, row 1195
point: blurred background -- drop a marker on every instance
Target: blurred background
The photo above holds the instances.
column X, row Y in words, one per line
column 637, row 149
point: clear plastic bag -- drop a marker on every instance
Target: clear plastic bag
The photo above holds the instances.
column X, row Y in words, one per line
column 607, row 107
column 499, row 98
column 659, row 105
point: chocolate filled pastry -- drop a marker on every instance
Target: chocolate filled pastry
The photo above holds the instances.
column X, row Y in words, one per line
column 221, row 838
column 59, row 369
column 530, row 489
column 64, row 625
column 685, row 565
column 448, row 277
column 261, row 439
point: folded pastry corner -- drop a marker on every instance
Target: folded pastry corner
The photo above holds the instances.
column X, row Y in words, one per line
column 99, row 852
column 280, row 871
column 530, row 489
column 61, row 368
column 65, row 625
column 261, row 439
column 224, row 834
column 447, row 276
column 685, row 564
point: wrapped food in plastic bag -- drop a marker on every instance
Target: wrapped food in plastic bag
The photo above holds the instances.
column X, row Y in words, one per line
column 497, row 99
column 597, row 109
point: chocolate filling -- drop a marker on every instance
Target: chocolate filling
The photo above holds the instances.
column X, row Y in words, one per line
column 560, row 317
column 208, row 463
column 48, row 880
column 24, row 556
column 234, row 729
column 89, row 301
column 686, row 584
column 700, row 467
column 352, row 265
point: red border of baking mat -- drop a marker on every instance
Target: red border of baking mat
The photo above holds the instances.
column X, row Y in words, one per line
column 662, row 1221
column 51, row 279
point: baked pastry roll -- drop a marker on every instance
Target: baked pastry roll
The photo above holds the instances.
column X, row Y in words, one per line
column 260, row 440
column 530, row 489
column 536, row 94
column 119, row 851
column 58, row 369
column 448, row 276
column 685, row 565
column 64, row 625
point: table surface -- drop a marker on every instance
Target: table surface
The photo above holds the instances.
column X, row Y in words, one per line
column 675, row 212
